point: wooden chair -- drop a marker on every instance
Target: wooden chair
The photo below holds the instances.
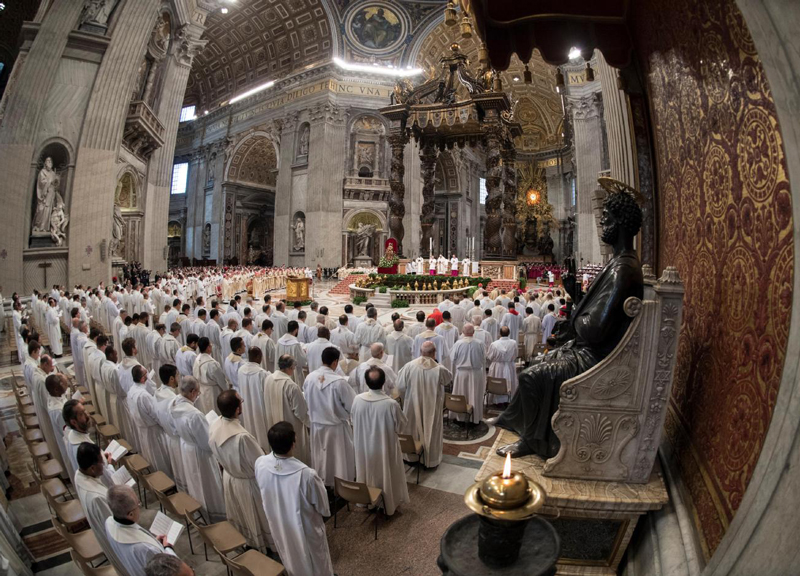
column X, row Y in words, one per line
column 87, row 570
column 50, row 469
column 69, row 513
column 252, row 563
column 458, row 404
column 496, row 386
column 357, row 493
column 152, row 481
column 54, row 486
column 180, row 504
column 410, row 446
column 84, row 543
column 222, row 536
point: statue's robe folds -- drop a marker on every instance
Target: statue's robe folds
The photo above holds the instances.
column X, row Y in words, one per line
column 599, row 323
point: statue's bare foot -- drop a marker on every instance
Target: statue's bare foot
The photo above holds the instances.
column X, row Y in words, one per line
column 517, row 450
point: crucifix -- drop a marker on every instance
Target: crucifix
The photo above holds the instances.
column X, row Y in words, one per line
column 44, row 266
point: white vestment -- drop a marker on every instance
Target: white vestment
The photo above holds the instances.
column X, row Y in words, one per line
column 251, row 388
column 52, row 318
column 237, row 451
column 359, row 384
column 548, row 322
column 344, row 340
column 284, row 402
column 377, row 420
column 513, row 321
column 231, row 368
column 203, row 479
column 288, row 344
column 503, row 356
column 184, row 360
column 153, row 444
column 422, row 383
column 269, row 356
column 168, row 349
column 428, row 336
column 449, row 334
column 133, row 546
column 398, row 346
column 211, row 378
column 415, row 329
column 166, row 398
column 55, row 407
column 532, row 327
column 295, row 501
column 329, row 398
column 469, row 374
column 368, row 333
column 39, row 396
column 492, row 327
column 314, row 353
column 92, row 494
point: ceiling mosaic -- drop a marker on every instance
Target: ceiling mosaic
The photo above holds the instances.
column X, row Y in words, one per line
column 257, row 41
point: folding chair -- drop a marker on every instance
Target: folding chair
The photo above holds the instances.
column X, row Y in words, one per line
column 357, row 493
column 410, row 446
column 458, row 404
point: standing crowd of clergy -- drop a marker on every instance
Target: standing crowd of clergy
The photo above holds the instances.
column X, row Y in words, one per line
column 255, row 409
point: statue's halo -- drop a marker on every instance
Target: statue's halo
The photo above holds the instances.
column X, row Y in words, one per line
column 616, row 187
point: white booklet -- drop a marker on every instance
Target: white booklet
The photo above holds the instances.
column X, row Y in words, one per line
column 164, row 525
column 116, row 450
column 77, row 395
column 211, row 417
column 122, row 476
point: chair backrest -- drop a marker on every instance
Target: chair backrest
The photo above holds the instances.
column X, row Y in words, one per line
column 496, row 385
column 407, row 445
column 200, row 529
column 235, row 567
column 455, row 403
column 87, row 570
column 36, row 478
column 355, row 492
column 165, row 502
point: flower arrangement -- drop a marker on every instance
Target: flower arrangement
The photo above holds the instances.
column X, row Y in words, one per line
column 389, row 259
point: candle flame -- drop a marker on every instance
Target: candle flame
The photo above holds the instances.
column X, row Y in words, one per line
column 507, row 467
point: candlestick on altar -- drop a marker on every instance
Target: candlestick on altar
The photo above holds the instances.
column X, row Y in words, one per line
column 511, row 539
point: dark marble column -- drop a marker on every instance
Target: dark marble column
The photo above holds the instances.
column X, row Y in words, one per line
column 494, row 199
column 397, row 204
column 509, row 155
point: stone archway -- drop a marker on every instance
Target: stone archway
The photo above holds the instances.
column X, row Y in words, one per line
column 352, row 220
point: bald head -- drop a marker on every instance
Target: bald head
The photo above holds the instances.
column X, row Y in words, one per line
column 469, row 330
column 376, row 350
column 428, row 350
column 398, row 325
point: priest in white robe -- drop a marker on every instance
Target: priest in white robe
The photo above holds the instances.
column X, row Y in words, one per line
column 39, row 396
column 429, row 335
column 234, row 362
column 330, row 399
column 214, row 333
column 284, row 402
column 170, row 345
column 166, row 397
column 469, row 372
column 377, row 359
column 251, row 379
column 53, row 327
column 153, row 343
column 92, row 483
column 532, row 328
column 210, row 375
column 108, row 379
column 490, row 324
column 142, row 406
column 449, row 335
column 369, row 332
column 548, row 323
column 280, row 322
column 186, row 356
column 418, row 326
column 289, row 344
column 377, row 420
column 77, row 341
column 77, row 422
column 203, row 478
column 513, row 320
column 263, row 341
column 57, row 389
column 314, row 349
column 295, row 502
column 399, row 346
column 503, row 357
column 422, row 383
column 133, row 545
column 237, row 450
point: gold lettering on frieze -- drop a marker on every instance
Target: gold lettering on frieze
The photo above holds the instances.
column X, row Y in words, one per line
column 577, row 77
column 548, row 163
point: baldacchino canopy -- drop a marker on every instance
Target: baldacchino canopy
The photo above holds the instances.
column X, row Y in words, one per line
column 552, row 26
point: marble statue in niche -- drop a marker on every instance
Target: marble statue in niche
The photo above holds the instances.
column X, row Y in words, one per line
column 211, row 171
column 207, row 239
column 97, row 12
column 305, row 135
column 299, row 244
column 58, row 222
column 363, row 235
column 47, row 196
column 365, row 155
column 118, row 226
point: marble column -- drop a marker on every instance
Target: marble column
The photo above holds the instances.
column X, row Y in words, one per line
column 195, row 195
column 588, row 144
column 508, row 155
column 618, row 124
column 283, row 192
column 427, row 156
column 326, row 170
column 413, row 200
column 397, row 207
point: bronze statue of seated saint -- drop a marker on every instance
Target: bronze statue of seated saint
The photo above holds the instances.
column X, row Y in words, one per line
column 598, row 322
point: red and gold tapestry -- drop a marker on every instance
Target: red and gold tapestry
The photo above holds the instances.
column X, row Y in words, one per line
column 726, row 223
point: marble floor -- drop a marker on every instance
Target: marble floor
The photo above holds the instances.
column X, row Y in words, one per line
column 439, row 492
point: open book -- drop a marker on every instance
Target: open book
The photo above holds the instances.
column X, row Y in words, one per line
column 116, row 450
column 77, row 395
column 122, row 476
column 211, row 417
column 163, row 525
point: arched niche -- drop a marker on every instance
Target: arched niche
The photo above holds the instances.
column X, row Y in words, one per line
column 126, row 195
column 52, row 170
column 174, row 242
column 297, row 239
column 352, row 220
column 367, row 142
column 128, row 216
column 254, row 162
column 303, row 144
column 259, row 241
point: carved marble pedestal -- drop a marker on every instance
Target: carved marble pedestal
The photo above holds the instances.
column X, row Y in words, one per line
column 595, row 520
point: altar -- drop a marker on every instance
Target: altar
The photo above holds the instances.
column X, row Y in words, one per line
column 298, row 288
